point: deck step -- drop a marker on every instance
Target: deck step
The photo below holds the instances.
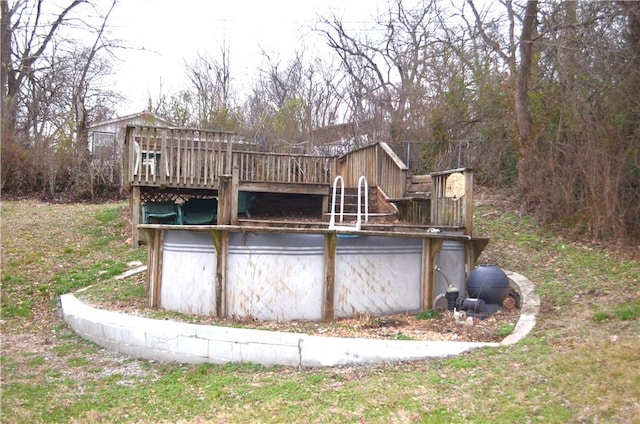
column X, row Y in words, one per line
column 351, row 200
column 351, row 218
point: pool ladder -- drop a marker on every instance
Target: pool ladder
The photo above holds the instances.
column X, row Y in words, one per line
column 362, row 181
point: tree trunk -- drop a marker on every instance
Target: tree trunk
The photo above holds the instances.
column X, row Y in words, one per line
column 523, row 113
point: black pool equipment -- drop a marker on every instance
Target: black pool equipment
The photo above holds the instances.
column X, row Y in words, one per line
column 488, row 283
column 474, row 305
column 452, row 295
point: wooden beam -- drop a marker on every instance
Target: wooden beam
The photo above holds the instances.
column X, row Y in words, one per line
column 224, row 200
column 293, row 188
column 221, row 244
column 328, row 307
column 430, row 248
column 233, row 209
column 163, row 165
column 154, row 238
column 468, row 199
column 135, row 206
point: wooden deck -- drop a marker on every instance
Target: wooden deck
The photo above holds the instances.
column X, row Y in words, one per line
column 165, row 163
column 196, row 159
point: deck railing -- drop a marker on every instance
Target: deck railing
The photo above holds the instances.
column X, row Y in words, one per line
column 175, row 157
column 188, row 158
column 282, row 167
column 379, row 164
column 452, row 199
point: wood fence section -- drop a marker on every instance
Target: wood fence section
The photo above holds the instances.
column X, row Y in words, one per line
column 283, row 168
column 452, row 199
column 379, row 164
column 175, row 157
column 188, row 158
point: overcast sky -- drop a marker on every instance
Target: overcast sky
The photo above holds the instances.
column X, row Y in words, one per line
column 171, row 31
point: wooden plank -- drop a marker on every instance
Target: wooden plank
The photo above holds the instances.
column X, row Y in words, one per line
column 229, row 154
column 135, row 206
column 179, row 159
column 293, row 188
column 163, row 159
column 328, row 297
column 206, row 162
column 159, row 258
column 468, row 199
column 224, row 200
column 221, row 244
column 153, row 236
column 192, row 157
column 421, row 179
column 430, row 249
column 234, row 196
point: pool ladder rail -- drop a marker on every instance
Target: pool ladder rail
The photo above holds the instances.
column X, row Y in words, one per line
column 362, row 182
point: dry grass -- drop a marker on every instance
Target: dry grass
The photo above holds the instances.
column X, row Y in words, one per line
column 580, row 364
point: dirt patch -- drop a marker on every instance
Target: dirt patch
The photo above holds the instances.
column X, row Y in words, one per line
column 441, row 326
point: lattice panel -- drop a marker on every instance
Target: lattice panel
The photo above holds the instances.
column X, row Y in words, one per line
column 163, row 196
column 158, row 196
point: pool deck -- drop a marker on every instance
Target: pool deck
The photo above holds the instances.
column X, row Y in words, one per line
column 172, row 341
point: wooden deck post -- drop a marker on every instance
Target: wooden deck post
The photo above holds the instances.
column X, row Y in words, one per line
column 221, row 243
column 468, row 198
column 328, row 307
column 154, row 238
column 229, row 154
column 430, row 248
column 224, row 200
column 233, row 212
column 135, row 205
column 163, row 159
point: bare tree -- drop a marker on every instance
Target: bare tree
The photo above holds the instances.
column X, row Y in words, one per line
column 89, row 69
column 523, row 113
column 28, row 30
column 211, row 84
column 20, row 56
column 40, row 65
column 392, row 72
column 574, row 75
column 292, row 100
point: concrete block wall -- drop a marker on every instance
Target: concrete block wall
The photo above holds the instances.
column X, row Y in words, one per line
column 163, row 340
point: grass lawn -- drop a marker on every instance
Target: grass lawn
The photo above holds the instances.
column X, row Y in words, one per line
column 581, row 363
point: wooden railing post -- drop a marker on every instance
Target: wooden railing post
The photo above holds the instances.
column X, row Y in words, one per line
column 234, row 195
column 468, row 198
column 129, row 159
column 163, row 158
column 225, row 193
column 229, row 155
column 135, row 205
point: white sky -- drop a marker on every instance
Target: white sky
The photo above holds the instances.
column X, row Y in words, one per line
column 172, row 31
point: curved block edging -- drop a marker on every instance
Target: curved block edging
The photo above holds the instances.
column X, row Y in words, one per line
column 163, row 340
column 529, row 307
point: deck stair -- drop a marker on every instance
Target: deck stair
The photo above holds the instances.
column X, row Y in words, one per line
column 415, row 205
column 380, row 210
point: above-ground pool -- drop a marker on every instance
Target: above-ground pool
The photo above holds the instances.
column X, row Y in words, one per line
column 284, row 274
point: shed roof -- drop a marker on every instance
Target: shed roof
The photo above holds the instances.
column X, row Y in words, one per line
column 145, row 116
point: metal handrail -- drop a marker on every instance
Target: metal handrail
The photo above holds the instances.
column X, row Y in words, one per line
column 332, row 221
column 363, row 181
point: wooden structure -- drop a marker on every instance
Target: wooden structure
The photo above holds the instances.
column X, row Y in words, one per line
column 176, row 164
